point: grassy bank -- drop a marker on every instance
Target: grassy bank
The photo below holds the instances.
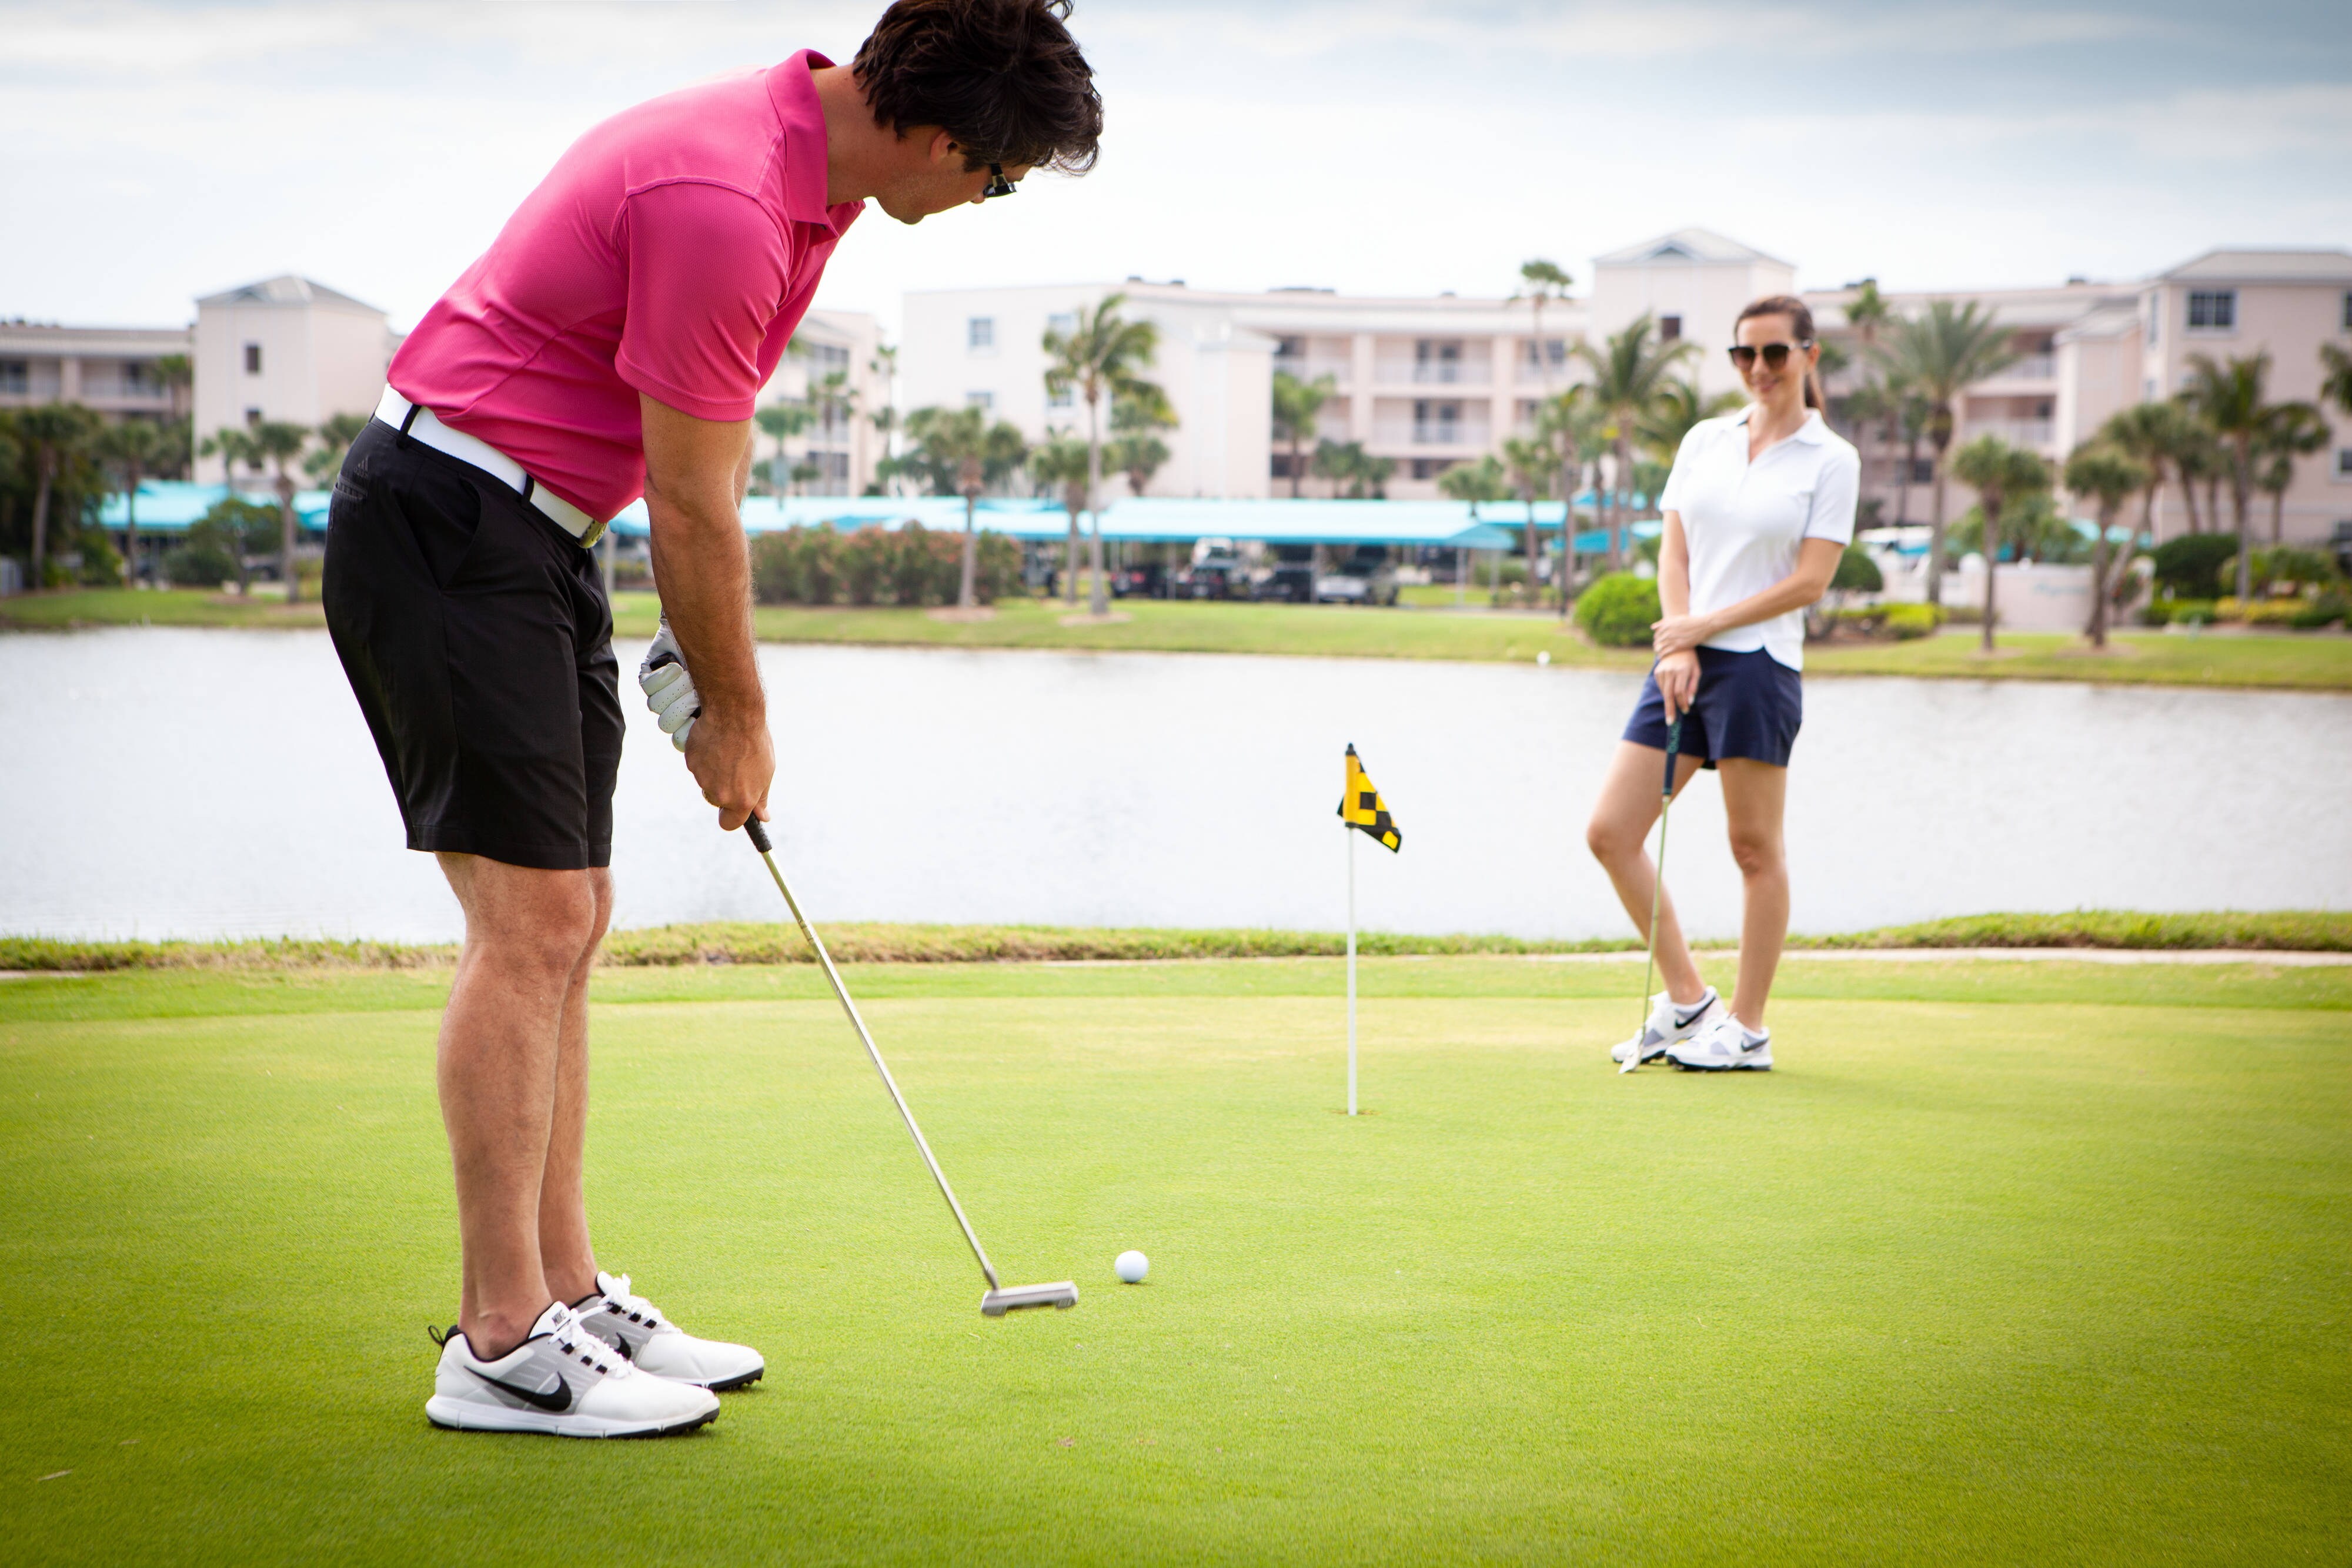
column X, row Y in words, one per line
column 2296, row 931
column 2285, row 661
column 2005, row 1264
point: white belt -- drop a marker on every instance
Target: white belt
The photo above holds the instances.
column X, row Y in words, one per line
column 420, row 423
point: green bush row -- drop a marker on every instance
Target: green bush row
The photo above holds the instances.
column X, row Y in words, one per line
column 1618, row 610
column 873, row 565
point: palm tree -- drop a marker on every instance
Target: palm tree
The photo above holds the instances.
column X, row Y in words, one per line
column 1679, row 407
column 2000, row 474
column 130, row 449
column 56, row 436
column 2148, row 432
column 1937, row 357
column 1530, row 462
column 278, row 442
column 234, row 446
column 1540, row 283
column 1136, row 420
column 2336, row 382
column 1296, row 405
column 1059, row 467
column 2107, row 475
column 335, row 438
column 2290, row 430
column 1629, row 375
column 1100, row 358
column 1477, row 483
column 2230, row 398
column 779, row 422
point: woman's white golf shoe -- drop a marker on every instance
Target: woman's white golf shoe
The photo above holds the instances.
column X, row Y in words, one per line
column 1724, row 1046
column 562, row 1381
column 1668, row 1025
column 632, row 1325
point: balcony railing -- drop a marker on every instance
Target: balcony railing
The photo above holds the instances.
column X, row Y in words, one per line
column 2035, row 433
column 1314, row 370
column 2030, row 368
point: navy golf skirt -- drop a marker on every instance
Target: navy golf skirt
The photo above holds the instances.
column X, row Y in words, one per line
column 1748, row 704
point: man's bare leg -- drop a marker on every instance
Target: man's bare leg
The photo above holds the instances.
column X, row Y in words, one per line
column 527, row 933
column 565, row 1251
column 1618, row 835
column 1755, row 799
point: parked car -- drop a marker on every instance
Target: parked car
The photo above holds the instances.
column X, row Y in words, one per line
column 1364, row 578
column 1139, row 582
column 1290, row 580
column 1217, row 571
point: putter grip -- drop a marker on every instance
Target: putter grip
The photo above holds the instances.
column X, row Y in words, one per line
column 1674, row 745
column 757, row 832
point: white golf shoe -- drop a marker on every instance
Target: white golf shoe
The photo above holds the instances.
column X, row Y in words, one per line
column 630, row 1325
column 1724, row 1046
column 563, row 1381
column 1668, row 1025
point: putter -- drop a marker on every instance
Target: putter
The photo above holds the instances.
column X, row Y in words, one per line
column 1657, row 887
column 997, row 1301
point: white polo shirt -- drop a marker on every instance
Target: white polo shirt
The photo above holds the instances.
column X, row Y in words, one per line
column 1744, row 521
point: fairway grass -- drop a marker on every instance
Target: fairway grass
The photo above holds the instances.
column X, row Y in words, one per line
column 2281, row 661
column 2008, row 1263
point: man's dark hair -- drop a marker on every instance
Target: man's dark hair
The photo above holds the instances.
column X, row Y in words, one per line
column 1002, row 77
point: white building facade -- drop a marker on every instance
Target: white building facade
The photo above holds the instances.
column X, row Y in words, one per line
column 114, row 370
column 285, row 349
column 842, row 444
column 1430, row 383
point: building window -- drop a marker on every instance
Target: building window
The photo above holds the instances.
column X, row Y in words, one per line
column 2213, row 310
column 980, row 334
column 1437, row 359
column 1552, row 352
column 827, row 358
column 252, row 359
column 2344, row 463
column 2347, row 325
column 1670, row 328
column 1063, row 396
column 16, row 377
column 1436, row 424
column 984, row 401
column 2155, row 322
column 1063, row 321
column 1431, row 468
column 252, row 416
column 1923, row 470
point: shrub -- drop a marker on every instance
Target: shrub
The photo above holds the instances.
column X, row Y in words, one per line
column 201, row 565
column 2319, row 611
column 2190, row 566
column 1857, row 573
column 2181, row 612
column 1905, row 623
column 2284, row 566
column 2258, row 611
column 1617, row 611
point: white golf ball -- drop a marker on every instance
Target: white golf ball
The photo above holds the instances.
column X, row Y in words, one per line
column 1132, row 1266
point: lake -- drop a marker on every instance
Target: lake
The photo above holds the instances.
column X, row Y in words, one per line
column 205, row 783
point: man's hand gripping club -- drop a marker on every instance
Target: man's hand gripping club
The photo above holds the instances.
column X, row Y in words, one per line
column 700, row 677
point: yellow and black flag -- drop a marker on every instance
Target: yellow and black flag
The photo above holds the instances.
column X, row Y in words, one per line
column 1362, row 807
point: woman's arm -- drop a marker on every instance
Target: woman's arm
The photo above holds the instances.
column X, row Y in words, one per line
column 1817, row 561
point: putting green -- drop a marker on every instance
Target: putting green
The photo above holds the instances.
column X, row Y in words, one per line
column 2009, row 1262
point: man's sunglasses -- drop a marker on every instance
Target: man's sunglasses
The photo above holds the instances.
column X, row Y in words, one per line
column 998, row 185
column 1774, row 355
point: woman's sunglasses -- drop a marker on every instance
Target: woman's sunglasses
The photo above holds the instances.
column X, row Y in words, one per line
column 1774, row 355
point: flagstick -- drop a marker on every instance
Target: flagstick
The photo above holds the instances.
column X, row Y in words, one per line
column 1351, row 967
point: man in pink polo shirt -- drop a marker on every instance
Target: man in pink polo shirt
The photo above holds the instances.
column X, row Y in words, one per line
column 610, row 343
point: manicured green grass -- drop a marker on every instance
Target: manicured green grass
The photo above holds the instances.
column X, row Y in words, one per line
column 2314, row 662
column 2008, row 1263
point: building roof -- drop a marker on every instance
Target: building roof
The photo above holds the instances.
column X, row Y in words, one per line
column 2104, row 321
column 2264, row 265
column 1691, row 245
column 287, row 289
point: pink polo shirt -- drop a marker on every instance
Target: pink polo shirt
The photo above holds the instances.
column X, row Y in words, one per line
column 671, row 252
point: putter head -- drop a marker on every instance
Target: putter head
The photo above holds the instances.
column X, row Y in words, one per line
column 996, row 1303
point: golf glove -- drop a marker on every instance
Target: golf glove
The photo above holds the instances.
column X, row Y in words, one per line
column 669, row 690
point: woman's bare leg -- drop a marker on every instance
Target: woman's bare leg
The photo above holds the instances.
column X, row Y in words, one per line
column 1755, row 799
column 1618, row 836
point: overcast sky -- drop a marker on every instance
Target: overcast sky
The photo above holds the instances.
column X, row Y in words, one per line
column 162, row 149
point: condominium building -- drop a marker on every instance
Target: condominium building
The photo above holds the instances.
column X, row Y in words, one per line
column 1430, row 383
column 113, row 370
column 285, row 349
column 837, row 370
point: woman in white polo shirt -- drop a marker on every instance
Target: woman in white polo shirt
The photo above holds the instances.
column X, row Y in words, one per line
column 1759, row 510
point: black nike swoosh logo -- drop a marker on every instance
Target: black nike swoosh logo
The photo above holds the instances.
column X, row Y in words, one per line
column 558, row 1401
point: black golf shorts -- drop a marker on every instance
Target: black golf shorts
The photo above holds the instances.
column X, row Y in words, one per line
column 1748, row 704
column 479, row 641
